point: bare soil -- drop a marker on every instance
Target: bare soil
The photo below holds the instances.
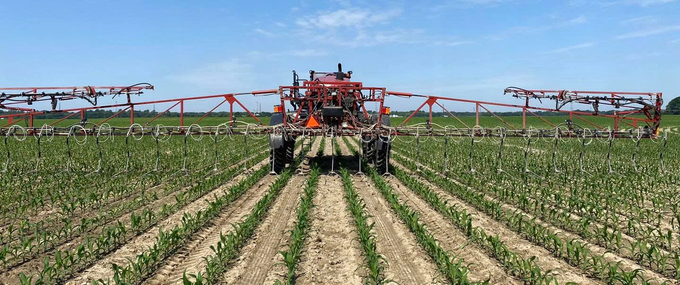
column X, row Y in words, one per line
column 260, row 255
column 560, row 268
column 103, row 268
column 332, row 251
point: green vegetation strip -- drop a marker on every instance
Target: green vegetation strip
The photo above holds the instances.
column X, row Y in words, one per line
column 230, row 245
column 449, row 265
column 43, row 239
column 68, row 262
column 300, row 231
column 375, row 262
column 525, row 269
column 573, row 251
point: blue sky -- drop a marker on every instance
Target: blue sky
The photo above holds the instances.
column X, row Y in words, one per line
column 459, row 48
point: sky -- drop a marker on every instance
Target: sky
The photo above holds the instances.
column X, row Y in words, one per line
column 469, row 49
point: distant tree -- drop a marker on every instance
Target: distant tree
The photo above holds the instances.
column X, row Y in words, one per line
column 674, row 106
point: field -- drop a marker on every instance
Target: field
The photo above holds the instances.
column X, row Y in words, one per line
column 205, row 210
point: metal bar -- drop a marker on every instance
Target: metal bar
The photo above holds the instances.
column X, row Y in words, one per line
column 497, row 117
column 162, row 113
column 452, row 115
column 209, row 112
column 413, row 114
column 589, row 122
column 113, row 116
column 247, row 111
column 66, row 117
column 14, row 122
column 181, row 113
column 544, row 120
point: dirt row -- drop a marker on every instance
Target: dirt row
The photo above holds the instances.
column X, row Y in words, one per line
column 103, row 268
column 332, row 253
column 626, row 264
column 260, row 258
column 35, row 264
column 481, row 266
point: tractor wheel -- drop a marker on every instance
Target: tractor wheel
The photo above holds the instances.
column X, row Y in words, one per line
column 290, row 151
column 277, row 159
column 368, row 150
column 382, row 155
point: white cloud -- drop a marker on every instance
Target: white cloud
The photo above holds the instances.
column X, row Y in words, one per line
column 265, row 33
column 635, row 56
column 454, row 43
column 649, row 32
column 299, row 53
column 351, row 17
column 466, row 4
column 606, row 3
column 569, row 48
column 578, row 20
column 645, row 3
column 639, row 20
column 675, row 41
column 308, row 52
column 459, row 43
column 492, row 84
column 366, row 38
column 280, row 24
column 227, row 75
column 537, row 29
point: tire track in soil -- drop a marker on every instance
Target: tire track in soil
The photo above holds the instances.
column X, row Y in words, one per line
column 560, row 268
column 103, row 269
column 332, row 253
column 407, row 262
column 625, row 263
column 260, row 255
column 36, row 263
column 481, row 266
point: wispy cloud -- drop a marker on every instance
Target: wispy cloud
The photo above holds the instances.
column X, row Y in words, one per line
column 351, row 17
column 492, row 84
column 640, row 20
column 643, row 55
column 308, row 52
column 466, row 4
column 538, row 29
column 569, row 48
column 645, row 3
column 578, row 20
column 649, row 32
column 675, row 41
column 297, row 53
column 230, row 74
column 606, row 3
column 457, row 43
column 265, row 33
column 365, row 27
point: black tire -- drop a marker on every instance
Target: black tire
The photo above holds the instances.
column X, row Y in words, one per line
column 277, row 159
column 382, row 156
column 290, row 151
column 368, row 150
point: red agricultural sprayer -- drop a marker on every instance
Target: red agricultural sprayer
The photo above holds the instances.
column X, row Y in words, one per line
column 332, row 104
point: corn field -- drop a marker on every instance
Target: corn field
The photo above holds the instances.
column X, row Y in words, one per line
column 451, row 210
